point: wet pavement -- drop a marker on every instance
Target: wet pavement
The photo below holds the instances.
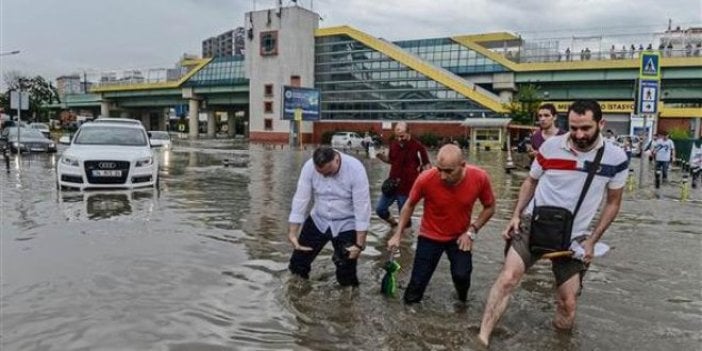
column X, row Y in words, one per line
column 200, row 264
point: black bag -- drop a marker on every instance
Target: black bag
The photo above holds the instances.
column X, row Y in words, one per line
column 389, row 187
column 552, row 226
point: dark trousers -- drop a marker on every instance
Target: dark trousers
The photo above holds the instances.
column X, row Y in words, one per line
column 425, row 261
column 301, row 261
column 663, row 166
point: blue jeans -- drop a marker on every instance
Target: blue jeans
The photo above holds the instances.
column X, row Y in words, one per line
column 301, row 261
column 386, row 201
column 427, row 258
column 663, row 166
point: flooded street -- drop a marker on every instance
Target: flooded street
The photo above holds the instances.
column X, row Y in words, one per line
column 201, row 264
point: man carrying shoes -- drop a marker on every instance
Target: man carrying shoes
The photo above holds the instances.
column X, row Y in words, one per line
column 556, row 194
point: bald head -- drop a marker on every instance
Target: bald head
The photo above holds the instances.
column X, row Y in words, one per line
column 401, row 132
column 450, row 164
column 450, row 154
column 401, row 127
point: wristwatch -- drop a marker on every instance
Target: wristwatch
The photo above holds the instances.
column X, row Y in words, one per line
column 471, row 235
column 475, row 228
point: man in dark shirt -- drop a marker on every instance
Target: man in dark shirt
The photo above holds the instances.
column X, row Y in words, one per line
column 407, row 158
column 547, row 128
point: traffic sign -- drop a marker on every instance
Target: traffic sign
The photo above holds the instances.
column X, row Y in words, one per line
column 650, row 67
column 19, row 100
column 648, row 97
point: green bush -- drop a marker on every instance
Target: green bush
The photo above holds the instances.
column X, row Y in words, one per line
column 679, row 133
column 429, row 139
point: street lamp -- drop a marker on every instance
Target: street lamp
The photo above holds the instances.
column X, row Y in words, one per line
column 8, row 53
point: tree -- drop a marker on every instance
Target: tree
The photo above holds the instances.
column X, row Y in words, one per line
column 524, row 105
column 41, row 93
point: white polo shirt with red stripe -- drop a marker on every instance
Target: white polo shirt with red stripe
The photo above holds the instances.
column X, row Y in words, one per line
column 561, row 171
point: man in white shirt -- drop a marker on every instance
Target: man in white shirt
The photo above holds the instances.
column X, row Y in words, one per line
column 557, row 179
column 341, row 213
column 664, row 153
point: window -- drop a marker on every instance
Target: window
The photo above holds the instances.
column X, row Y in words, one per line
column 295, row 81
column 487, row 134
column 268, row 107
column 268, row 124
column 269, row 43
column 268, row 90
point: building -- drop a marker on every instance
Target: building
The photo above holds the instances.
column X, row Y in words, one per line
column 366, row 83
column 226, row 44
column 69, row 84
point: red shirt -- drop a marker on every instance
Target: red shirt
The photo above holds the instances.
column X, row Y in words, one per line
column 406, row 161
column 448, row 209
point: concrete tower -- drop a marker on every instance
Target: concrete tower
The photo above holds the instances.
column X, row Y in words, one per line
column 279, row 51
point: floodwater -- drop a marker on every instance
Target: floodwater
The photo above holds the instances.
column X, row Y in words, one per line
column 200, row 264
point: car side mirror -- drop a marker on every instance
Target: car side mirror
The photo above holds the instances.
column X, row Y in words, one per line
column 149, row 134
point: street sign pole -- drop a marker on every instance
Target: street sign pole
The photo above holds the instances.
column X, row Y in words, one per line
column 642, row 162
column 647, row 97
column 20, row 102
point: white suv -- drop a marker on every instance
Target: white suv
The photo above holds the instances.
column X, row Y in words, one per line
column 108, row 155
column 344, row 140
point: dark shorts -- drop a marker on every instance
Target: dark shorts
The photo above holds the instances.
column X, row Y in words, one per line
column 563, row 267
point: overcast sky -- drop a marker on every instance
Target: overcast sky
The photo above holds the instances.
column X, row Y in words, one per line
column 68, row 36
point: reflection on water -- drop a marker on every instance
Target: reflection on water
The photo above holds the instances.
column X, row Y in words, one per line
column 200, row 264
column 97, row 205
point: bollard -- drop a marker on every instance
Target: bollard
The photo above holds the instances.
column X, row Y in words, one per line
column 658, row 179
column 7, row 159
column 630, row 181
column 684, row 190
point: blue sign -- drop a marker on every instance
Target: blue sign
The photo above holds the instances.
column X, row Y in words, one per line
column 181, row 110
column 650, row 65
column 305, row 100
column 648, row 97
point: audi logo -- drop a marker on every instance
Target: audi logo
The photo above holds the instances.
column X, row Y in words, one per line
column 107, row 165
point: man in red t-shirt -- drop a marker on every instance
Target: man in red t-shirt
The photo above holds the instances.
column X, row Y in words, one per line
column 407, row 158
column 449, row 191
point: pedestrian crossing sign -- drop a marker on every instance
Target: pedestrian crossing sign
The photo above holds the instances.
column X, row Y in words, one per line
column 648, row 97
column 650, row 65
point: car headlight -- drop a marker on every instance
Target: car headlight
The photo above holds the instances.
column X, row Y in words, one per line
column 148, row 161
column 16, row 144
column 52, row 145
column 70, row 161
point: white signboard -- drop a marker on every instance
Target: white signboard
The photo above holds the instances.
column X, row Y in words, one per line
column 15, row 100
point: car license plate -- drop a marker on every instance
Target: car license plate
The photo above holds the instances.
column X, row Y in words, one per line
column 106, row 173
column 37, row 149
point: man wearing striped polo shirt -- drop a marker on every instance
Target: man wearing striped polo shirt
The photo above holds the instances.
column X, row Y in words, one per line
column 557, row 178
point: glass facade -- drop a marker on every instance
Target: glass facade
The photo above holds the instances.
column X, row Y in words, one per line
column 448, row 54
column 224, row 70
column 357, row 82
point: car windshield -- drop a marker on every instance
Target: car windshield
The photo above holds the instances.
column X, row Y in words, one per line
column 40, row 126
column 117, row 120
column 160, row 136
column 24, row 132
column 110, row 135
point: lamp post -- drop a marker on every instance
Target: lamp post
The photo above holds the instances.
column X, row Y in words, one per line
column 8, row 53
